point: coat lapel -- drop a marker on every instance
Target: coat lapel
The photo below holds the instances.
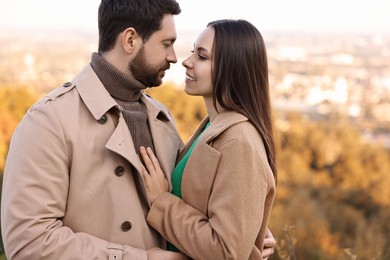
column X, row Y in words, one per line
column 223, row 121
column 98, row 104
column 166, row 139
column 121, row 143
column 197, row 132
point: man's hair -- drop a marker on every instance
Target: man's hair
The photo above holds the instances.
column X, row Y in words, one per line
column 145, row 16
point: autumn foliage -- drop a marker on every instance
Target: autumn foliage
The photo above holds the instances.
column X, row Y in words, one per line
column 333, row 193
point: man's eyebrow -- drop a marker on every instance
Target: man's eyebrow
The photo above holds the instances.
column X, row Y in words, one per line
column 172, row 39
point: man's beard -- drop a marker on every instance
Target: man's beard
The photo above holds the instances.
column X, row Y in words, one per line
column 144, row 72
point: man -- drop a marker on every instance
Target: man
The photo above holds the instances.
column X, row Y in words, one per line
column 72, row 187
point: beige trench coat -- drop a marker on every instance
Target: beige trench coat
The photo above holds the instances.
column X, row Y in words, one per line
column 72, row 188
column 228, row 189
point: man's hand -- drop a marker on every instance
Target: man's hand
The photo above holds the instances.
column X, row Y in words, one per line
column 269, row 245
column 161, row 254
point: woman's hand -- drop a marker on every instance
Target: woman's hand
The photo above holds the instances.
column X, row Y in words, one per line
column 154, row 178
column 269, row 245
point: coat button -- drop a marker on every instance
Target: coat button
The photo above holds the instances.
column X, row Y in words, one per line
column 103, row 119
column 119, row 171
column 126, row 226
column 67, row 84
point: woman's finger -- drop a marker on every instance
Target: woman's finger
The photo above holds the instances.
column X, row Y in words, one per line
column 143, row 170
column 154, row 160
column 145, row 175
column 147, row 161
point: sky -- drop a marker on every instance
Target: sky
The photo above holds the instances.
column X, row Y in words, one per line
column 320, row 16
column 268, row 15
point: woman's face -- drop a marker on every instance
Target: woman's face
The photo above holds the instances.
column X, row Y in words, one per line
column 199, row 64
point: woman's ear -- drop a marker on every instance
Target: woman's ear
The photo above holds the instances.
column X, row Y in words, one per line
column 129, row 39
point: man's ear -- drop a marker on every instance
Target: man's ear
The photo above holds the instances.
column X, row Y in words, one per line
column 129, row 40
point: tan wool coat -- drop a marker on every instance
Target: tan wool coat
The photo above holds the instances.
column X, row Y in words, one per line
column 228, row 190
column 72, row 188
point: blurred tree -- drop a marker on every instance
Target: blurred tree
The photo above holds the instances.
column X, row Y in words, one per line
column 332, row 187
column 7, row 125
column 14, row 102
column 187, row 110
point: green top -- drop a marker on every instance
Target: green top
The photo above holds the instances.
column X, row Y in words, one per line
column 177, row 176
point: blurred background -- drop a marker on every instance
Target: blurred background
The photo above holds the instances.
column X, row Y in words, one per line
column 329, row 64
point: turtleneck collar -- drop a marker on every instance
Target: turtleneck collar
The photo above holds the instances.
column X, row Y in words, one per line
column 117, row 83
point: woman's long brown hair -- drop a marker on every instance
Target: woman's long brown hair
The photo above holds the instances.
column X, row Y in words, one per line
column 240, row 77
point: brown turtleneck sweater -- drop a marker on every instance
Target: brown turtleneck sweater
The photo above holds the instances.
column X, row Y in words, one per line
column 126, row 91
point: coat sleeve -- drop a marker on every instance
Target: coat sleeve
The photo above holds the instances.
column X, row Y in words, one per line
column 234, row 213
column 34, row 196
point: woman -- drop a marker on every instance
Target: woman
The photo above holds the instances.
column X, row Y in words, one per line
column 224, row 182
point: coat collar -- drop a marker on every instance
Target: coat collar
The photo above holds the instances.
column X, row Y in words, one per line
column 223, row 121
column 153, row 108
column 93, row 93
column 98, row 101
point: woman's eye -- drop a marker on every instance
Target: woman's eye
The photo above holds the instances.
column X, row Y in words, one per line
column 202, row 57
